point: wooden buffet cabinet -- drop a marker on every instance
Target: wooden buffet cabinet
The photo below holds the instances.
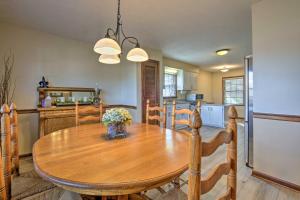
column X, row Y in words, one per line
column 62, row 112
column 55, row 118
column 60, row 117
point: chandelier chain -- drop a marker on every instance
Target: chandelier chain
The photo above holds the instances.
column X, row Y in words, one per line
column 119, row 31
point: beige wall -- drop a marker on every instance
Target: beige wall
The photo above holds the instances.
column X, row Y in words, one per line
column 204, row 77
column 276, row 50
column 64, row 62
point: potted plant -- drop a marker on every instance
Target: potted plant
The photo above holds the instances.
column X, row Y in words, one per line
column 116, row 120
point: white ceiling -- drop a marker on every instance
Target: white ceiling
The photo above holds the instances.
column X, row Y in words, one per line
column 186, row 30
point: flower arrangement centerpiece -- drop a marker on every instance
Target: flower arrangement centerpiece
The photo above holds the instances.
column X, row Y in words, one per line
column 116, row 120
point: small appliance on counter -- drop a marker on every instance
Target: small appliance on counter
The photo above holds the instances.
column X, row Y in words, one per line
column 193, row 97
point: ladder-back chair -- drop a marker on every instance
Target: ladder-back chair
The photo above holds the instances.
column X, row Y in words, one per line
column 88, row 113
column 187, row 112
column 198, row 149
column 13, row 184
column 198, row 185
column 156, row 113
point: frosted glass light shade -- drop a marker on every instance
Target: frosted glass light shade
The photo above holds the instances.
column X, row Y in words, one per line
column 107, row 46
column 137, row 55
column 109, row 59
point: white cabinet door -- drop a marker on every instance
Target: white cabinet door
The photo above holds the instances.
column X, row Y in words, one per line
column 194, row 81
column 183, row 80
column 180, row 80
column 213, row 116
column 205, row 115
column 187, row 81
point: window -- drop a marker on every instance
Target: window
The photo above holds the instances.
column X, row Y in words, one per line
column 170, row 86
column 233, row 90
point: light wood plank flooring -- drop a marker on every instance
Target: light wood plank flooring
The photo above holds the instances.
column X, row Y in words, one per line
column 249, row 188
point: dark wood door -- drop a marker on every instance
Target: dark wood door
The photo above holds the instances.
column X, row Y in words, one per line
column 150, row 85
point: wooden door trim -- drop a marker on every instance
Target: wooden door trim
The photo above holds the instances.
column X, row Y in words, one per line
column 142, row 84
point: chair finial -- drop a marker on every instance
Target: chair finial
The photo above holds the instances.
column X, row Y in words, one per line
column 174, row 102
column 13, row 106
column 196, row 120
column 5, row 108
column 232, row 113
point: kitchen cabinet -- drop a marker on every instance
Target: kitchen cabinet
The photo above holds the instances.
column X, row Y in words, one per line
column 213, row 115
column 194, row 81
column 178, row 117
column 187, row 80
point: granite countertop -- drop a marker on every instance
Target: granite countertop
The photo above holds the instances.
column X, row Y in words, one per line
column 213, row 104
column 178, row 101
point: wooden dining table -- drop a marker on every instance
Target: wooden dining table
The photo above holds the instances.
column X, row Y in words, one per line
column 81, row 159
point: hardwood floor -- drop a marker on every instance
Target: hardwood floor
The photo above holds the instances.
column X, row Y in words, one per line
column 249, row 188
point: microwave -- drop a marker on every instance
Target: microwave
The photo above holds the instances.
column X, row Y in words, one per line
column 194, row 97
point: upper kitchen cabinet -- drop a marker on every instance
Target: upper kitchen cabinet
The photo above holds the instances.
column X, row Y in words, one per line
column 187, row 80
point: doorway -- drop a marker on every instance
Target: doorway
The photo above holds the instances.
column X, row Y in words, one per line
column 150, row 85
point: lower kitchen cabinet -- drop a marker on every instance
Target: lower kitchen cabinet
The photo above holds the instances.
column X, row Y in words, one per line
column 178, row 117
column 213, row 115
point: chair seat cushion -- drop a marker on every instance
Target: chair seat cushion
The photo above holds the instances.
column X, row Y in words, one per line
column 173, row 194
column 23, row 187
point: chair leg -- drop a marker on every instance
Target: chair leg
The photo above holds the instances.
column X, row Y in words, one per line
column 176, row 182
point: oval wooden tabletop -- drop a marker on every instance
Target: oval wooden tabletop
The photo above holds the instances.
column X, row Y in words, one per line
column 80, row 159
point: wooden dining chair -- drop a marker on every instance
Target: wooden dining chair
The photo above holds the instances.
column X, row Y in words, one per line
column 14, row 139
column 13, row 184
column 156, row 113
column 197, row 185
column 88, row 114
column 187, row 112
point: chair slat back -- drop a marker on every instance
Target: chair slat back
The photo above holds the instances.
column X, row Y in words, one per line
column 199, row 149
column 88, row 114
column 187, row 112
column 14, row 139
column 5, row 151
column 156, row 113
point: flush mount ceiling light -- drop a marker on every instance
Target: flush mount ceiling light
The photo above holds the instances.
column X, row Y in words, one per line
column 225, row 69
column 112, row 44
column 222, row 52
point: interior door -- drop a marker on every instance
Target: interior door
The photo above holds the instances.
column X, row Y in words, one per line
column 150, row 85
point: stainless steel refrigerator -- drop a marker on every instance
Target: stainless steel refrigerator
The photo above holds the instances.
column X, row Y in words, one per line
column 249, row 111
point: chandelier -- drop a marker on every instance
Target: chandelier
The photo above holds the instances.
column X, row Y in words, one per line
column 110, row 47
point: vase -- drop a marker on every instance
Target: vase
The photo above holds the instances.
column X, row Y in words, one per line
column 116, row 130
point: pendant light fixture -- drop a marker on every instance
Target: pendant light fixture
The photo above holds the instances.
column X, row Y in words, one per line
column 110, row 47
